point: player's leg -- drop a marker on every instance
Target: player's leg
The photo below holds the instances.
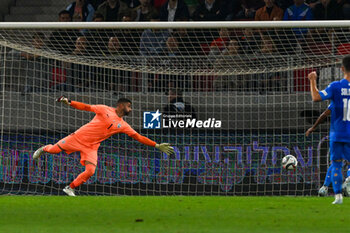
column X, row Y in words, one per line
column 88, row 158
column 52, row 149
column 336, row 151
column 81, row 179
column 323, row 191
column 347, row 160
column 67, row 144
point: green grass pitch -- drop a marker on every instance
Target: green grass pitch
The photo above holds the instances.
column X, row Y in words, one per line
column 178, row 214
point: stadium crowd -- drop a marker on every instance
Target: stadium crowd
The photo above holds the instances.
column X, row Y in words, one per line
column 213, row 44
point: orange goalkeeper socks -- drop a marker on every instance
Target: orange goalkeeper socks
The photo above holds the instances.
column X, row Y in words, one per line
column 83, row 177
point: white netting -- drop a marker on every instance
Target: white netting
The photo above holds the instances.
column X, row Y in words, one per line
column 253, row 80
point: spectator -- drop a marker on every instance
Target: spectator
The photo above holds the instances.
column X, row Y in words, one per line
column 145, row 11
column 249, row 8
column 37, row 42
column 328, row 10
column 63, row 40
column 153, row 41
column 232, row 48
column 298, row 11
column 187, row 42
column 129, row 39
column 82, row 73
column 64, row 16
column 28, row 71
column 232, row 8
column 218, row 45
column 97, row 39
column 112, row 10
column 230, row 57
column 114, row 46
column 177, row 105
column 269, row 12
column 80, row 46
column 248, row 42
column 172, row 47
column 268, row 45
column 174, row 10
column 209, row 10
column 81, row 11
column 191, row 4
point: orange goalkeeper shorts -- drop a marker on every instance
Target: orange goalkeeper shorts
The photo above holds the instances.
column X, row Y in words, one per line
column 70, row 144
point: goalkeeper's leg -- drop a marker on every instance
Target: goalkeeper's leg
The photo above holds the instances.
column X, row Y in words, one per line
column 68, row 144
column 82, row 178
column 52, row 149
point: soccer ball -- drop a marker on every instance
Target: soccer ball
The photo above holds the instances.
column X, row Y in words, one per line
column 289, row 162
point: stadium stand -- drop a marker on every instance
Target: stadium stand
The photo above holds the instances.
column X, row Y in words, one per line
column 36, row 10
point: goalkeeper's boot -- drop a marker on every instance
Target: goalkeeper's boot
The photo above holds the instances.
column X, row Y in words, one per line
column 323, row 191
column 338, row 199
column 69, row 191
column 38, row 152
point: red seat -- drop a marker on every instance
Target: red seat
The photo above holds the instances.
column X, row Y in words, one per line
column 343, row 49
column 301, row 82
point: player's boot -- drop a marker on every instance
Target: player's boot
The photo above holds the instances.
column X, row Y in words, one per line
column 338, row 199
column 69, row 191
column 346, row 186
column 323, row 191
column 38, row 152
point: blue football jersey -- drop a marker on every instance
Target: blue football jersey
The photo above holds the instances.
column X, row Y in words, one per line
column 339, row 94
column 330, row 106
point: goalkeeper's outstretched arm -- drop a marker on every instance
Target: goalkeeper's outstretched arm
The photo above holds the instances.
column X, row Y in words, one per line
column 75, row 104
column 164, row 147
column 319, row 120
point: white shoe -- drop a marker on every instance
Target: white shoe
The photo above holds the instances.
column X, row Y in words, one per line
column 338, row 199
column 69, row 191
column 38, row 152
column 323, row 191
column 346, row 186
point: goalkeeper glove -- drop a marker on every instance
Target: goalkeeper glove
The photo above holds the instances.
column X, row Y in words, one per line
column 64, row 100
column 166, row 148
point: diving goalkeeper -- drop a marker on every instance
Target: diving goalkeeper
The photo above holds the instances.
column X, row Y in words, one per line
column 87, row 139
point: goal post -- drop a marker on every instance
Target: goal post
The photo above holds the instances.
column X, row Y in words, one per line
column 244, row 85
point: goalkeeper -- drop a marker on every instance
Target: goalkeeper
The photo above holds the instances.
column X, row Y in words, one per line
column 87, row 139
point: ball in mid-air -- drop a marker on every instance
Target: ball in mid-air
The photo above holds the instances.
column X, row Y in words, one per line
column 289, row 162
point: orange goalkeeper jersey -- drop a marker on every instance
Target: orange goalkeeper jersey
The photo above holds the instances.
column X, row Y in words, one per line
column 103, row 125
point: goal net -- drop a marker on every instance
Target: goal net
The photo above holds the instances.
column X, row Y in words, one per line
column 234, row 99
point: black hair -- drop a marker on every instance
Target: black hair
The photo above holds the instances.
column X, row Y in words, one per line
column 64, row 12
column 346, row 63
column 123, row 101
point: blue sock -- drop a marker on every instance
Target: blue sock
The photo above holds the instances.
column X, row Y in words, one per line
column 348, row 172
column 337, row 177
column 328, row 178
